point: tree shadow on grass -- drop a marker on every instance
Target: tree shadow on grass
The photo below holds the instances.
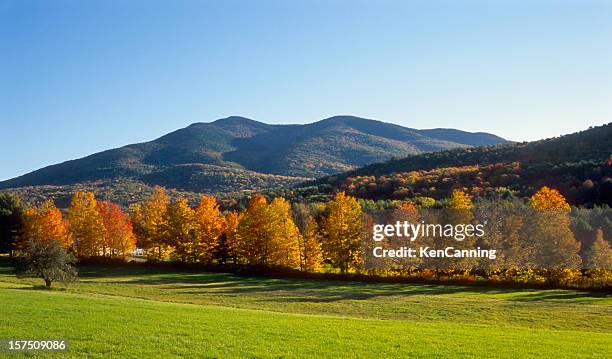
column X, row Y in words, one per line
column 302, row 290
column 43, row 288
column 106, row 272
column 195, row 282
column 554, row 295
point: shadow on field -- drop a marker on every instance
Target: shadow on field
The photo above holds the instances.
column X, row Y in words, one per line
column 303, row 290
column 194, row 282
column 42, row 288
column 552, row 295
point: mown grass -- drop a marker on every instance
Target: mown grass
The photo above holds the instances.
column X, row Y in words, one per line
column 140, row 312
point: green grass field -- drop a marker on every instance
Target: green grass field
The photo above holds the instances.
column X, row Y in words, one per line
column 135, row 312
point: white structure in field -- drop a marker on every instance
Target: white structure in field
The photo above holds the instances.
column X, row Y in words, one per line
column 138, row 252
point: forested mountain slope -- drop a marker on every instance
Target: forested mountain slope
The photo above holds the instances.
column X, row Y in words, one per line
column 578, row 164
column 236, row 153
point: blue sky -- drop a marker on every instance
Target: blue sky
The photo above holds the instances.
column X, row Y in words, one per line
column 77, row 77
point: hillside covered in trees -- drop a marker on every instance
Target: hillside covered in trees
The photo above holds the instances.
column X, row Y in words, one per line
column 579, row 165
column 236, row 153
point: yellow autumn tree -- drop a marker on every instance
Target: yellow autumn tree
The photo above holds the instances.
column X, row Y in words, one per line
column 231, row 239
column 341, row 229
column 181, row 230
column 312, row 254
column 209, row 226
column 253, row 231
column 118, row 237
column 460, row 200
column 152, row 224
column 548, row 198
column 46, row 223
column 284, row 236
column 457, row 214
column 86, row 224
column 551, row 242
column 268, row 235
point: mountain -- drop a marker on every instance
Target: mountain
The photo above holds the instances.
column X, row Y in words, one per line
column 237, row 153
column 578, row 164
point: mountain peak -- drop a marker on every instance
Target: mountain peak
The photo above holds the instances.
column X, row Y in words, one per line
column 345, row 119
column 236, row 120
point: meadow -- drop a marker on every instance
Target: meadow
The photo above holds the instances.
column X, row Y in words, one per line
column 142, row 312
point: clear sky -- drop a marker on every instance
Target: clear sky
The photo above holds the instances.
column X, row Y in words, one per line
column 78, row 77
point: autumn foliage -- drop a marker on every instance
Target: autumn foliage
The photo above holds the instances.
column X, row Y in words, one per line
column 324, row 236
column 550, row 230
column 460, row 200
column 548, row 198
column 92, row 228
column 209, row 225
column 86, row 224
column 342, row 230
column 118, row 239
column 46, row 223
column 268, row 234
column 151, row 220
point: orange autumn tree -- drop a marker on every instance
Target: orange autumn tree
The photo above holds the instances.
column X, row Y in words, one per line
column 409, row 207
column 118, row 238
column 86, row 224
column 209, row 225
column 341, row 229
column 46, row 223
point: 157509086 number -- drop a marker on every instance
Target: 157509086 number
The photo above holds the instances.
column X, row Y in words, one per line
column 34, row 344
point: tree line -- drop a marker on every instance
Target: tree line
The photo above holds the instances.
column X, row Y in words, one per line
column 314, row 237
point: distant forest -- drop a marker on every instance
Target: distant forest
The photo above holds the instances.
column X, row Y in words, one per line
column 578, row 165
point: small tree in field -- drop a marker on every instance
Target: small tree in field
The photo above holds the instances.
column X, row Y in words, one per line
column 47, row 260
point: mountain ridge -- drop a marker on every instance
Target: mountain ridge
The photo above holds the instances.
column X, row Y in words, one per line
column 294, row 151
